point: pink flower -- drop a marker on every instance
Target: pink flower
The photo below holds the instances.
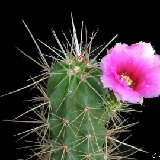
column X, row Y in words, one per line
column 132, row 72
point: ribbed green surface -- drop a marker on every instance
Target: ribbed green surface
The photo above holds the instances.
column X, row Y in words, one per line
column 77, row 116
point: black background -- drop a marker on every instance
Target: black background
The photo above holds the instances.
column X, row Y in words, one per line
column 133, row 22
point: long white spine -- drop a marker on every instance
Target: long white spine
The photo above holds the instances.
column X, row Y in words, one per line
column 76, row 44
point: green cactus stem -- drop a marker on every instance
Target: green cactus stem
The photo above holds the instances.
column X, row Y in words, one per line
column 78, row 113
column 77, row 116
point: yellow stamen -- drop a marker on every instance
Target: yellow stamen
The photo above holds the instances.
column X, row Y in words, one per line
column 127, row 78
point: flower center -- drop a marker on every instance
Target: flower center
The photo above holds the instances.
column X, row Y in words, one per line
column 127, row 78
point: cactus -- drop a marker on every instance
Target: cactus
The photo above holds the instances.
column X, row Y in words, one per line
column 77, row 113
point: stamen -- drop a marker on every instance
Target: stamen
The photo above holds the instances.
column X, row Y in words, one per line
column 127, row 78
